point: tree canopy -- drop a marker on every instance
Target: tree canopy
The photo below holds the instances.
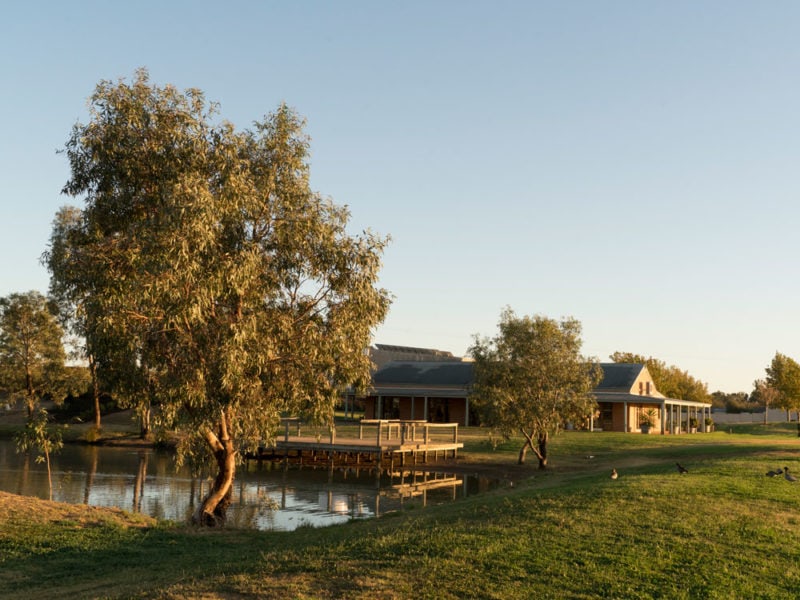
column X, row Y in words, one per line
column 531, row 378
column 32, row 357
column 783, row 374
column 764, row 395
column 232, row 292
column 670, row 380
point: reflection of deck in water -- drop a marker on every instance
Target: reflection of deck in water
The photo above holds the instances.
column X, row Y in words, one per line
column 412, row 484
column 378, row 441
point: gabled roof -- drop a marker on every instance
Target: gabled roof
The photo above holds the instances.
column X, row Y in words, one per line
column 619, row 376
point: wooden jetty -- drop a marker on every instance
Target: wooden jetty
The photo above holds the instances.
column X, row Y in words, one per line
column 378, row 441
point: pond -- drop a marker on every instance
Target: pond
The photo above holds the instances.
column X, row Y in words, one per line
column 267, row 495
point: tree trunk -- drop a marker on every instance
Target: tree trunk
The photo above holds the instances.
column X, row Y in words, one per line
column 49, row 474
column 95, row 392
column 528, row 444
column 542, row 451
column 144, row 422
column 215, row 506
column 522, row 453
column 30, row 397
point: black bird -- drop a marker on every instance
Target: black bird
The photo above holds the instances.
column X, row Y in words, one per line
column 787, row 476
column 774, row 473
column 681, row 468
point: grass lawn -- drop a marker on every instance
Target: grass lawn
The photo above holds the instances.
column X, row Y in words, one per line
column 723, row 530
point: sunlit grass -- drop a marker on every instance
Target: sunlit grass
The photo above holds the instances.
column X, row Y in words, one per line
column 723, row 530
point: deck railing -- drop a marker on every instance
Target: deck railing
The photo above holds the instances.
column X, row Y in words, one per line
column 407, row 430
column 387, row 430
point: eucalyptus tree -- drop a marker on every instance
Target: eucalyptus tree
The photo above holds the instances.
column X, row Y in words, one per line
column 32, row 357
column 531, row 379
column 63, row 265
column 235, row 291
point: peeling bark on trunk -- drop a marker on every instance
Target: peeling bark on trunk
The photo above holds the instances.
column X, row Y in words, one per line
column 213, row 510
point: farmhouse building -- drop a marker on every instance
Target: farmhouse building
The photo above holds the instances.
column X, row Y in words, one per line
column 433, row 386
column 628, row 400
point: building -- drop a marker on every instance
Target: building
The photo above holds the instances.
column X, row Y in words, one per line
column 438, row 391
column 628, row 401
column 435, row 391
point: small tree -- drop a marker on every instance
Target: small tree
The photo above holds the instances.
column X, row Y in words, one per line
column 531, row 378
column 37, row 437
column 31, row 350
column 765, row 395
column 783, row 374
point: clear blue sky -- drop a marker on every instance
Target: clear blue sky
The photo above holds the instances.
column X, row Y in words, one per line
column 631, row 164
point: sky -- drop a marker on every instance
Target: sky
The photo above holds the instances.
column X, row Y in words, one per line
column 630, row 164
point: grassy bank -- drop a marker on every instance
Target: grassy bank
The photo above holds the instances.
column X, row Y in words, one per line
column 723, row 530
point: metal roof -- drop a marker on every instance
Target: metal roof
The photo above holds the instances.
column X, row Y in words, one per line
column 452, row 379
column 424, row 374
column 620, row 397
column 619, row 376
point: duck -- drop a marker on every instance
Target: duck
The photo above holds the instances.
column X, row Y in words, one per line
column 614, row 474
column 681, row 468
column 787, row 476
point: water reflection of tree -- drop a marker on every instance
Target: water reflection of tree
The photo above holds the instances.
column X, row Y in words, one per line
column 90, row 475
column 23, row 478
column 138, row 486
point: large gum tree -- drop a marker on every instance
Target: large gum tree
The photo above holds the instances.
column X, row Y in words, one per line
column 234, row 293
column 531, row 379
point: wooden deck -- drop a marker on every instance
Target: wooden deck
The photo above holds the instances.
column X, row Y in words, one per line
column 378, row 441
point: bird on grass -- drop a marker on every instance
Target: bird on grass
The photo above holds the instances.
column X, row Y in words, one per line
column 774, row 473
column 614, row 474
column 787, row 476
column 681, row 468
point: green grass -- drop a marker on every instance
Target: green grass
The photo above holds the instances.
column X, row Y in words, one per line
column 723, row 530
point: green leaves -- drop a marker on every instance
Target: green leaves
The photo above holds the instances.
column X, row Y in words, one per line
column 531, row 376
column 31, row 350
column 213, row 278
column 783, row 374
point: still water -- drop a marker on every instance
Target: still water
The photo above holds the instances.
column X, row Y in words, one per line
column 266, row 495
